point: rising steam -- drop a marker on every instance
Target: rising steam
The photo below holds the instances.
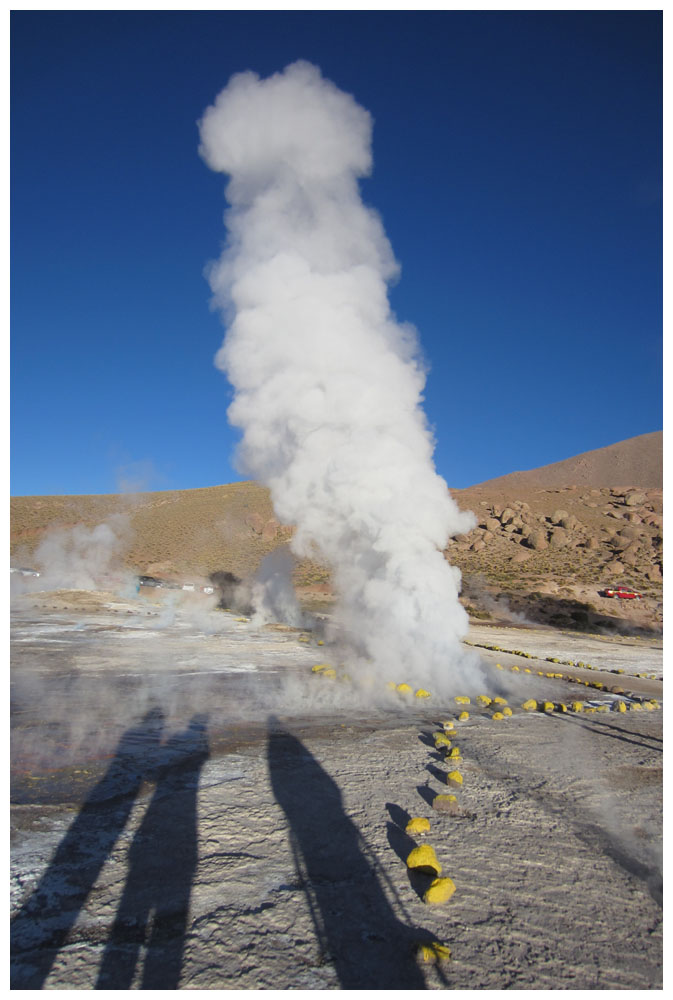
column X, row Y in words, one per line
column 328, row 385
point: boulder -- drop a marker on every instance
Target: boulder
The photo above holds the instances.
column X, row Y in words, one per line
column 536, row 540
column 558, row 516
column 507, row 515
column 614, row 568
column 492, row 524
column 558, row 538
column 635, row 499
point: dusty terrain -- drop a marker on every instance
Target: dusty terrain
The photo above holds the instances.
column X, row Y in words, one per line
column 194, row 807
column 543, row 549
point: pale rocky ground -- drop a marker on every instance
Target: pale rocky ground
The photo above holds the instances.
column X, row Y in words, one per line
column 249, row 834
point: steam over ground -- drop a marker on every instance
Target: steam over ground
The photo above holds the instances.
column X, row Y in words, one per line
column 328, row 385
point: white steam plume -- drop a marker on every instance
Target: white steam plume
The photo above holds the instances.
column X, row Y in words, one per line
column 327, row 383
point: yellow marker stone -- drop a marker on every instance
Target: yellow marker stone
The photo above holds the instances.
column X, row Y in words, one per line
column 497, row 716
column 404, row 689
column 515, row 669
column 318, row 667
column 463, row 717
column 418, row 824
column 576, row 706
column 499, row 701
column 422, row 693
column 445, row 803
column 449, row 724
column 530, row 705
column 424, row 859
column 321, row 642
column 455, row 779
column 453, row 752
column 498, row 666
column 548, row 706
column 507, row 711
column 434, row 953
column 636, row 707
column 560, row 707
column 328, row 672
column 439, row 891
column 462, row 699
column 483, row 699
column 621, row 706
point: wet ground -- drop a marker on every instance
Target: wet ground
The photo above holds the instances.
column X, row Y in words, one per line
column 192, row 807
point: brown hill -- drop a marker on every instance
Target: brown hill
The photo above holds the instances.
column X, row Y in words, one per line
column 637, row 461
column 539, row 549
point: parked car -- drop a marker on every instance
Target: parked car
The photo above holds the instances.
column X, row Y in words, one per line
column 622, row 593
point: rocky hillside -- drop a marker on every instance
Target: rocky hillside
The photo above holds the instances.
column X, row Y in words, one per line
column 541, row 550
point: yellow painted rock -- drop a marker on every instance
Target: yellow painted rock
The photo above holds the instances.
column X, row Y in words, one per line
column 434, row 953
column 497, row 716
column 483, row 699
column 455, row 779
column 246, row 620
column 319, row 666
column 636, row 707
column 321, row 642
column 499, row 701
column 424, row 859
column 463, row 717
column 441, row 740
column 548, row 706
column 418, row 824
column 453, row 752
column 649, row 706
column 404, row 689
column 498, row 666
column 445, row 803
column 422, row 693
column 576, row 706
column 621, row 706
column 328, row 672
column 439, row 891
column 462, row 699
column 560, row 707
column 530, row 705
column 449, row 724
column 506, row 710
column 515, row 669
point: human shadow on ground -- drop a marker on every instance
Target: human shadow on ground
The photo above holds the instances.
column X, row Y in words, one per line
column 42, row 925
column 154, row 908
column 358, row 932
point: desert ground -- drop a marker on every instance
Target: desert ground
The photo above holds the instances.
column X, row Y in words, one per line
column 193, row 807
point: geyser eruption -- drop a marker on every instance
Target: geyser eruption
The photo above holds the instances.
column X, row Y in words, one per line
column 327, row 383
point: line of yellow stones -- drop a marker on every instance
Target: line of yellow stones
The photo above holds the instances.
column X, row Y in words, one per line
column 555, row 659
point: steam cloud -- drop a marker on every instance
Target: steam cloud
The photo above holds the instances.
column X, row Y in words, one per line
column 328, row 385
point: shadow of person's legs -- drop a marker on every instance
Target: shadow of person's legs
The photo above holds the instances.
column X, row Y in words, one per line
column 43, row 923
column 356, row 926
column 154, row 908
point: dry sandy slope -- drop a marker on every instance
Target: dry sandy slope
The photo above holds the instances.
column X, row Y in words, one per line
column 288, row 839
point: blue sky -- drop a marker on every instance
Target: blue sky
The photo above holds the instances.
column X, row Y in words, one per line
column 517, row 169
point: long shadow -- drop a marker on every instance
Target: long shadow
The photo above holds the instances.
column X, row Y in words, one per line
column 605, row 729
column 357, row 929
column 154, row 908
column 42, row 925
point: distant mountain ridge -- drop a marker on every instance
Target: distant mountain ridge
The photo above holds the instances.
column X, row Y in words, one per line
column 637, row 461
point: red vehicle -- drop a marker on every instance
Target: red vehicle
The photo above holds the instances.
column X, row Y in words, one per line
column 623, row 593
